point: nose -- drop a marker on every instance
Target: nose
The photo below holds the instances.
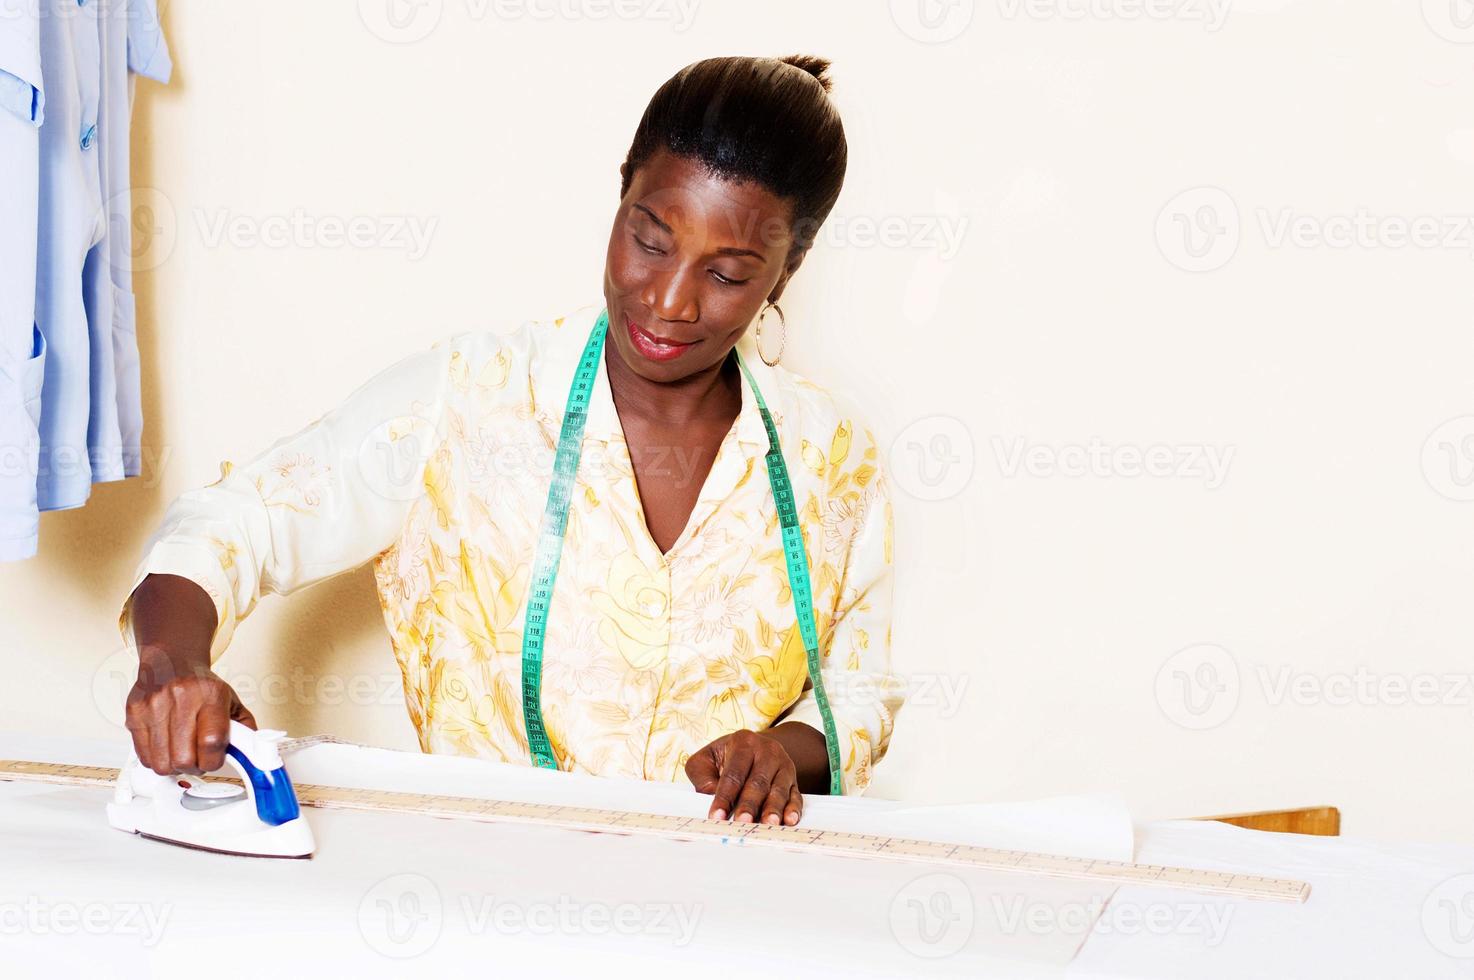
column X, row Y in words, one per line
column 671, row 295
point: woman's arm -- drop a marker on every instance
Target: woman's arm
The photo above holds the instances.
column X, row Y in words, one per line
column 173, row 613
column 805, row 746
column 318, row 502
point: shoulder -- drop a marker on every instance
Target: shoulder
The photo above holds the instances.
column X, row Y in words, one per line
column 833, row 452
column 828, row 428
column 534, row 334
column 516, row 347
column 815, row 410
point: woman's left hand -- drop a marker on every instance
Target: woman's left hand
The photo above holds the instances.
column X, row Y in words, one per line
column 750, row 776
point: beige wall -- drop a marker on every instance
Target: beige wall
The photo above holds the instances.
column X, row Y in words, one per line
column 1041, row 612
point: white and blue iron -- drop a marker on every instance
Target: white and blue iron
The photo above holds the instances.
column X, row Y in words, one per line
column 259, row 818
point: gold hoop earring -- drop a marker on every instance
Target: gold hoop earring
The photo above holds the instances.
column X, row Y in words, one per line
column 781, row 341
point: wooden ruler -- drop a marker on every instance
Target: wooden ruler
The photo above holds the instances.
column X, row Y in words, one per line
column 690, row 828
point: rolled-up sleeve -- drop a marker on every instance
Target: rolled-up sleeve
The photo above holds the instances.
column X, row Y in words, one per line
column 863, row 692
column 315, row 503
column 21, row 91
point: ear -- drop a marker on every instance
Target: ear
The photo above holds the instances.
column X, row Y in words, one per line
column 789, row 268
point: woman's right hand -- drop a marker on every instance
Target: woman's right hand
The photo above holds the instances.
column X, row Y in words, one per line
column 180, row 717
column 179, row 710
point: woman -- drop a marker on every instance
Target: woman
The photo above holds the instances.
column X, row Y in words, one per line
column 578, row 528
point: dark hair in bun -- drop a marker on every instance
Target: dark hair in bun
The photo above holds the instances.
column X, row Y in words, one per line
column 768, row 120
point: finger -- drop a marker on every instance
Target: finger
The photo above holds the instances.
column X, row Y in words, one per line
column 795, row 807
column 240, row 713
column 181, row 729
column 143, row 743
column 735, row 767
column 777, row 799
column 136, row 720
column 755, row 790
column 212, row 735
column 140, row 745
column 146, row 714
column 703, row 769
column 158, row 737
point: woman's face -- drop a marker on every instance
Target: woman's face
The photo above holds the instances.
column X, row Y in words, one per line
column 692, row 258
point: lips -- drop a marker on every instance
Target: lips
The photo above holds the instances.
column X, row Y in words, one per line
column 653, row 347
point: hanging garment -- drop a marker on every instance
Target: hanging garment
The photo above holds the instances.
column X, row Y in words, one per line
column 438, row 470
column 73, row 368
column 133, row 45
column 22, row 345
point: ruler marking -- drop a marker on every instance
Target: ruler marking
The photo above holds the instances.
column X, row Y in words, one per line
column 841, row 843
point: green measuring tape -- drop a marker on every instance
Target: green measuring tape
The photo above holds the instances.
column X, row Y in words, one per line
column 550, row 553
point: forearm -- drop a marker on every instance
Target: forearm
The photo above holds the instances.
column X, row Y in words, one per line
column 173, row 619
column 805, row 746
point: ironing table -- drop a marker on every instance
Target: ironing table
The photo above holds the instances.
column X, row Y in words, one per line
column 403, row 893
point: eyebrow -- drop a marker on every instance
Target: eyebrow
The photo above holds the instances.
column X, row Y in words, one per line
column 725, row 250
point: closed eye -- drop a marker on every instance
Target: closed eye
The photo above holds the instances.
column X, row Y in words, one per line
column 726, row 281
column 647, row 246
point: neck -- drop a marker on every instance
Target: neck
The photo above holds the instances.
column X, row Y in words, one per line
column 711, row 393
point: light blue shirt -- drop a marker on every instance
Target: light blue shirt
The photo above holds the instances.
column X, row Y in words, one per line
column 70, row 405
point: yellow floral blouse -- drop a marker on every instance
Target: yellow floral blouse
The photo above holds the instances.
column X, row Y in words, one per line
column 437, row 470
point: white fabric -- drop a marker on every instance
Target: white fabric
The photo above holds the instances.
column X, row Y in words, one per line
column 1089, row 827
column 1373, row 910
column 465, row 896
